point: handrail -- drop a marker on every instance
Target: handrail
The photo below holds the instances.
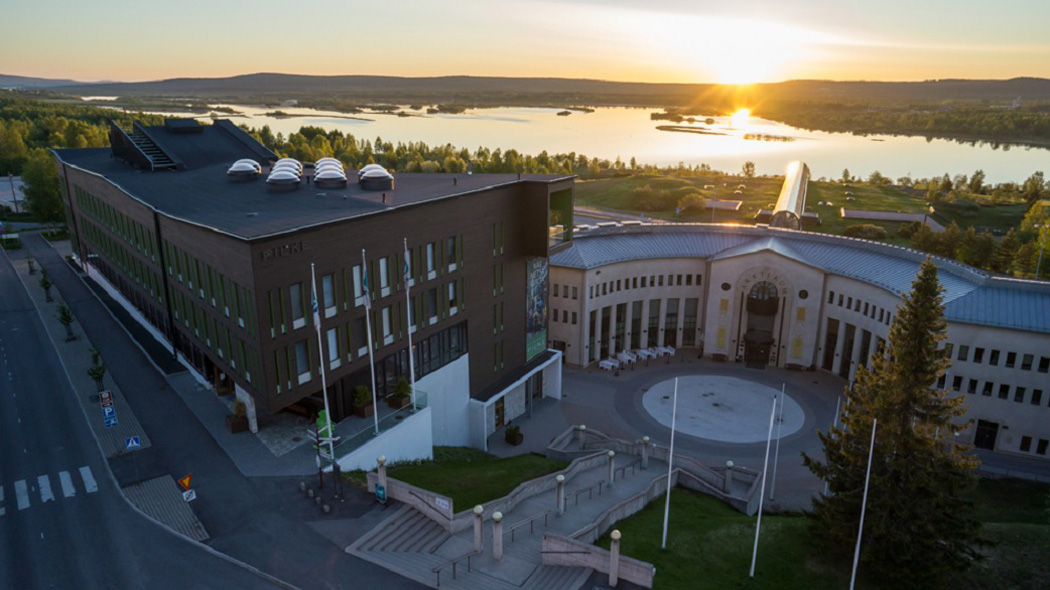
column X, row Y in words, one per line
column 530, row 521
column 633, row 466
column 590, row 491
column 437, row 569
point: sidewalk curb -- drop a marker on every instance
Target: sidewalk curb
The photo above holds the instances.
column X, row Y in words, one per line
column 98, row 443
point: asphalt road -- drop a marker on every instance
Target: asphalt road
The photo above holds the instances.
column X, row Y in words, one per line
column 63, row 522
column 264, row 522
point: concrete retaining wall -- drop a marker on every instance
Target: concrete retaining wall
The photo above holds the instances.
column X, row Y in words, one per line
column 559, row 550
column 435, row 506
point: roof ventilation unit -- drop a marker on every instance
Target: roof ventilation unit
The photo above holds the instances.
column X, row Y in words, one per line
column 246, row 169
column 374, row 177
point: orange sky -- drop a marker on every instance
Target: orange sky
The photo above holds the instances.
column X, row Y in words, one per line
column 667, row 41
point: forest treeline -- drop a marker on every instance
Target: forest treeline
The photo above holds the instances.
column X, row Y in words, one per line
column 963, row 122
column 28, row 128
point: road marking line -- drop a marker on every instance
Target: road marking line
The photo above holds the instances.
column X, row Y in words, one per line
column 89, row 480
column 2, row 509
column 21, row 494
column 45, row 489
column 67, row 484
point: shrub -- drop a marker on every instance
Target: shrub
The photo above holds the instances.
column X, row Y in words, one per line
column 908, row 229
column 866, row 231
column 362, row 396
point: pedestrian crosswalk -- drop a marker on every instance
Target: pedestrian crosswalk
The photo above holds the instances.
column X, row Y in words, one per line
column 29, row 491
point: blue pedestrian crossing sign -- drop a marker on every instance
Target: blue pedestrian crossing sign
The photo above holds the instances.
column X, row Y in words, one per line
column 132, row 442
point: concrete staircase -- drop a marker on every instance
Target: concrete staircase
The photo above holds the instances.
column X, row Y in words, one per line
column 412, row 545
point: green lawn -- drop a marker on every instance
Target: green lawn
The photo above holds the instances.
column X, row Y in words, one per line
column 472, row 477
column 759, row 193
column 710, row 544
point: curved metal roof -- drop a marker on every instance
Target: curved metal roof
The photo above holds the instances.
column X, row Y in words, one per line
column 970, row 295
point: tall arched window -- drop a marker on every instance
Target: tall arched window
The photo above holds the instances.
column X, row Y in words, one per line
column 763, row 291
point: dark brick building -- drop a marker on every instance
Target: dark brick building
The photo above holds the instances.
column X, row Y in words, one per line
column 221, row 266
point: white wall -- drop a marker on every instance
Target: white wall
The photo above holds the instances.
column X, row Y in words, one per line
column 1016, row 419
column 410, row 440
column 860, row 293
column 724, row 331
column 448, row 394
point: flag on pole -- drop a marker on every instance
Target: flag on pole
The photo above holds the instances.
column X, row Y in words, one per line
column 407, row 266
column 364, row 283
column 313, row 295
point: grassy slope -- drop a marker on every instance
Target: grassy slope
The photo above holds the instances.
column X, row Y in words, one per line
column 709, row 544
column 473, row 477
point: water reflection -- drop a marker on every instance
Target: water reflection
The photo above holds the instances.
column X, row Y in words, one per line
column 724, row 143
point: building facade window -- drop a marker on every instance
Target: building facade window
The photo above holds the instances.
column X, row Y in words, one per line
column 295, row 295
column 302, row 361
column 328, row 295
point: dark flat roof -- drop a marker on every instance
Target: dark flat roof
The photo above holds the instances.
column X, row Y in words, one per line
column 203, row 194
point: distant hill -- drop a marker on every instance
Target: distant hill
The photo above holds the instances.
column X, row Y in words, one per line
column 26, row 82
column 473, row 87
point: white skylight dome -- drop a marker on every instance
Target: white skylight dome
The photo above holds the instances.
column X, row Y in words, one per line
column 376, row 173
column 368, row 168
column 282, row 177
column 329, row 166
column 244, row 169
column 246, row 164
column 329, row 174
column 327, row 160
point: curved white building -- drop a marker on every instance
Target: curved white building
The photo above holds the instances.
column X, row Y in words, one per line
column 765, row 296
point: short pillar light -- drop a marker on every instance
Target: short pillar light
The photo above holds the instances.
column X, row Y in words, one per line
column 581, row 432
column 559, row 495
column 614, row 558
column 497, row 535
column 479, row 511
column 729, row 476
column 645, row 453
column 612, row 469
column 381, row 469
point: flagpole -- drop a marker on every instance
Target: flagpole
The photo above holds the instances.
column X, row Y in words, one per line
column 321, row 358
column 776, row 454
column 368, row 328
column 838, row 404
column 408, row 307
column 670, row 460
column 762, row 491
column 864, row 504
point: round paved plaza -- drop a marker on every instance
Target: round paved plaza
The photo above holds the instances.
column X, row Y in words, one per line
column 721, row 408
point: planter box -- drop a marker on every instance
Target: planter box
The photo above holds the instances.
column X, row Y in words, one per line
column 514, row 438
column 398, row 401
column 236, row 424
column 365, row 411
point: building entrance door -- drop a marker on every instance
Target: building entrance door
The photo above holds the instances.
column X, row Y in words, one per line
column 499, row 409
column 762, row 304
column 985, row 436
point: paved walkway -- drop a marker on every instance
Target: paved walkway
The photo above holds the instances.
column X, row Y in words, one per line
column 414, row 546
column 615, row 405
column 720, row 408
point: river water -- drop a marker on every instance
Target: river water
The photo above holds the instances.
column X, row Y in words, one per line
column 612, row 132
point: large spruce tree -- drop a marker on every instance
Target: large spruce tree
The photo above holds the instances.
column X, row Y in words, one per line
column 919, row 523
